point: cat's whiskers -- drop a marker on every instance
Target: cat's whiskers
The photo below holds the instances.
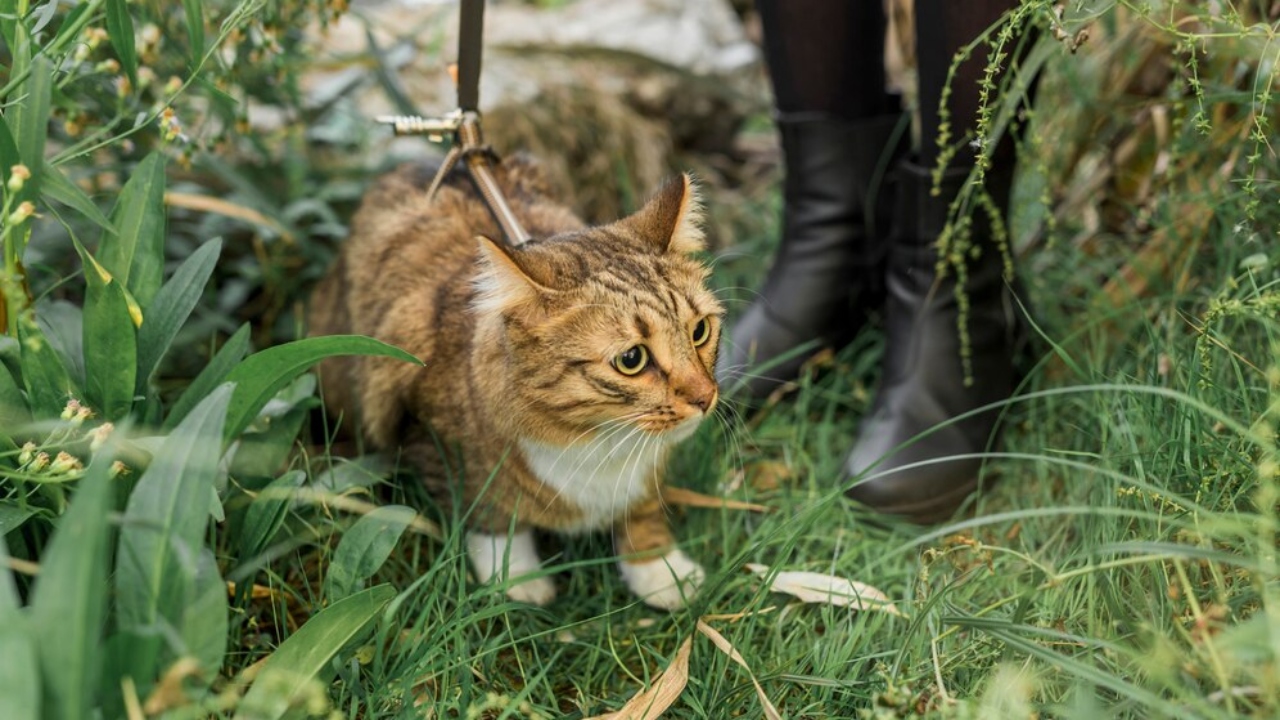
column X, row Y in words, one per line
column 589, row 450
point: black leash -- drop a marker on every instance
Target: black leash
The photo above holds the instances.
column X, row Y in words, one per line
column 462, row 126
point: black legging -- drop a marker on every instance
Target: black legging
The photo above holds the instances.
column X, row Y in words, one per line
column 826, row 57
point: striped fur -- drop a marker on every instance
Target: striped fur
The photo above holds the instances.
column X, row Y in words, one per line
column 519, row 406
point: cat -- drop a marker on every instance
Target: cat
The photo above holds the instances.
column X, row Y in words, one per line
column 557, row 374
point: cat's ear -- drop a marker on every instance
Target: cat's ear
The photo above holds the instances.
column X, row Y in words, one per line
column 503, row 283
column 673, row 218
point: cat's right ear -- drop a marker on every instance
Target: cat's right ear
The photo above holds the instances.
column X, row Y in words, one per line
column 503, row 284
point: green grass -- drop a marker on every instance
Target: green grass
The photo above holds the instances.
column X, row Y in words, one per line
column 1120, row 561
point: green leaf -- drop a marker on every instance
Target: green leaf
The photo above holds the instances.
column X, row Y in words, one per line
column 171, row 308
column 164, row 531
column 63, row 326
column 230, row 355
column 194, row 15
column 13, row 407
column 12, row 516
column 120, row 30
column 48, row 385
column 135, row 254
column 266, row 514
column 206, row 618
column 31, row 120
column 19, row 677
column 307, row 653
column 56, row 186
column 8, row 151
column 265, row 446
column 363, row 549
column 262, row 374
column 69, row 603
column 110, row 343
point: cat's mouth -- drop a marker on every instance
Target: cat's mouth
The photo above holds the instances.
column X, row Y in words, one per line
column 680, row 430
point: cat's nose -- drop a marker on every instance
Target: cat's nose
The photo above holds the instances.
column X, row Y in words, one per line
column 700, row 393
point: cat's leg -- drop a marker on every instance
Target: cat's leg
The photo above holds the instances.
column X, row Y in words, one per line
column 517, row 550
column 664, row 580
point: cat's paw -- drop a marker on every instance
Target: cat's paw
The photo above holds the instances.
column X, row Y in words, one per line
column 666, row 583
column 535, row 591
column 488, row 553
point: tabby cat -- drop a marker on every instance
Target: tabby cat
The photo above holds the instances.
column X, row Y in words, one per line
column 558, row 374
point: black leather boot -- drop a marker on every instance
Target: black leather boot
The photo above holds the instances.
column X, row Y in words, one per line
column 926, row 382
column 827, row 273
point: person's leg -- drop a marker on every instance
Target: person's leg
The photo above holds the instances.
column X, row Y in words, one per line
column 826, row 64
column 939, row 366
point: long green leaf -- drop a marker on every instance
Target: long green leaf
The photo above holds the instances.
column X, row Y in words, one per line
column 171, row 308
column 110, row 343
column 9, row 155
column 31, row 120
column 12, row 516
column 206, row 619
column 120, row 30
column 13, row 408
column 19, row 677
column 48, row 385
column 307, row 653
column 56, row 186
column 262, row 374
column 68, row 606
column 135, row 254
column 266, row 514
column 62, row 323
column 194, row 16
column 213, row 374
column 363, row 549
column 164, row 531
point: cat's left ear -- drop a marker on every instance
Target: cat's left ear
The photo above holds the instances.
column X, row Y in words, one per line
column 673, row 218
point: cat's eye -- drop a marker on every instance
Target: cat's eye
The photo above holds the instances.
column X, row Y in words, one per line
column 701, row 332
column 632, row 360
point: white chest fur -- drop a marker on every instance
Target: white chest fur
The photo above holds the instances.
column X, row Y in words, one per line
column 603, row 477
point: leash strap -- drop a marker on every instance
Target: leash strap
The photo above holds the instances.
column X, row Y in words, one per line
column 463, row 127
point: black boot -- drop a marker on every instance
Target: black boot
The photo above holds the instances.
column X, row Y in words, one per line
column 926, row 382
column 826, row 274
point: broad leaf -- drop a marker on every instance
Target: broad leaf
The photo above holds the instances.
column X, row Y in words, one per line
column 267, row 513
column 13, row 407
column 110, row 342
column 19, row 677
column 206, row 618
column 164, row 531
column 262, row 374
column 363, row 549
column 68, row 606
column 135, row 254
column 171, row 308
column 63, row 326
column 12, row 516
column 47, row 382
column 307, row 653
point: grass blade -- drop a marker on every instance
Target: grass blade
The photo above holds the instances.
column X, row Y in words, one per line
column 307, row 653
column 194, row 16
column 120, row 30
column 110, row 342
column 69, row 604
column 19, row 677
column 163, row 533
column 135, row 254
column 261, row 375
column 363, row 549
column 172, row 306
column 227, row 357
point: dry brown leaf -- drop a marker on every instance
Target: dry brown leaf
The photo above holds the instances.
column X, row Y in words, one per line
column 169, row 693
column 811, row 587
column 727, row 648
column 769, row 475
column 662, row 694
column 689, row 498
